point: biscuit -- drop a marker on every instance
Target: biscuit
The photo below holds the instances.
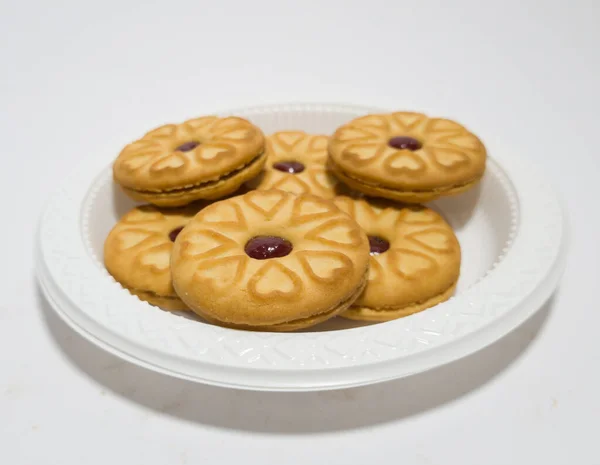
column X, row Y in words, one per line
column 270, row 260
column 407, row 157
column 137, row 253
column 415, row 259
column 202, row 158
column 296, row 163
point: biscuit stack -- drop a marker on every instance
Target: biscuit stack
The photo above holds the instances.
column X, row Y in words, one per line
column 283, row 232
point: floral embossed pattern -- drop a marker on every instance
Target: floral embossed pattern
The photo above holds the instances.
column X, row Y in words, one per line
column 326, row 267
column 180, row 157
column 419, row 269
column 310, row 152
column 137, row 252
column 445, row 154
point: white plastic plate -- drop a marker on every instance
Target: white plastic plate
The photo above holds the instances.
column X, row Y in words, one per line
column 511, row 229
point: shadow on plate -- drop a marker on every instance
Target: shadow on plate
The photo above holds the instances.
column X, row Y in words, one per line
column 121, row 204
column 457, row 210
column 293, row 413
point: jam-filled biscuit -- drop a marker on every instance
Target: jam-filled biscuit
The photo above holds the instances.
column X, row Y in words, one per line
column 270, row 260
column 407, row 157
column 202, row 158
column 415, row 259
column 296, row 163
column 137, row 252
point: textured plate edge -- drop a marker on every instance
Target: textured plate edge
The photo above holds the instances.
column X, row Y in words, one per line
column 474, row 342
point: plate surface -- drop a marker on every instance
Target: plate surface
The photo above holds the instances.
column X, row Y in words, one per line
column 511, row 229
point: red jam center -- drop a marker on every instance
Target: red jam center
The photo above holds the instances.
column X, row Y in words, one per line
column 404, row 143
column 264, row 247
column 187, row 146
column 173, row 234
column 378, row 245
column 292, row 167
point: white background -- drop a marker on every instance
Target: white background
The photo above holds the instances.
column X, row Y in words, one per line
column 81, row 79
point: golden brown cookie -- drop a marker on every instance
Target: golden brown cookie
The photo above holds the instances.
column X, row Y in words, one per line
column 270, row 260
column 202, row 158
column 415, row 259
column 137, row 252
column 406, row 157
column 296, row 163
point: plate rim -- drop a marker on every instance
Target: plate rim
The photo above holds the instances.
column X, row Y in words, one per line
column 247, row 377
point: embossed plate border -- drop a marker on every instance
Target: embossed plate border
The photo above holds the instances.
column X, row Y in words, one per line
column 89, row 301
